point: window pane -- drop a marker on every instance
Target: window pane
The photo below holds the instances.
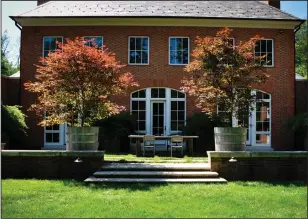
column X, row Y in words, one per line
column 185, row 44
column 154, row 92
column 180, row 125
column 173, row 57
column 258, row 48
column 181, row 115
column 258, row 126
column 132, row 57
column 141, row 125
column 174, row 115
column 263, row 45
column 155, row 121
column 142, row 94
column 266, row 96
column 172, row 44
column 138, row 57
column 134, row 105
column 263, row 138
column 48, row 137
column 179, row 44
column 181, row 105
column 135, row 114
column 56, row 138
column 53, row 43
column 141, row 115
column 99, row 41
column 145, row 44
column 162, row 93
column 161, row 108
column 269, row 59
column 174, row 105
column 179, row 57
column 185, row 57
column 138, row 43
column 181, row 95
column 132, row 43
column 144, row 57
column 56, row 127
column 46, row 43
column 173, row 125
column 174, row 94
column 46, row 53
column 135, row 94
column 48, row 127
column 141, row 105
column 269, row 45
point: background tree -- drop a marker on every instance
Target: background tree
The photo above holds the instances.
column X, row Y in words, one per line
column 78, row 80
column 223, row 75
column 301, row 50
column 7, row 68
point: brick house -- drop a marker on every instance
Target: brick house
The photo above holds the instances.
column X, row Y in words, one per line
column 155, row 39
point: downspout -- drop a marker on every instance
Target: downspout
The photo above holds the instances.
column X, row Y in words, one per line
column 20, row 86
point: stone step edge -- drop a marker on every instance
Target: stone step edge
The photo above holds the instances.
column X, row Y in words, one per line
column 134, row 166
column 157, row 173
column 157, row 180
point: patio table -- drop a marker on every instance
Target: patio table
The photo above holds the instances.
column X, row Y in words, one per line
column 188, row 139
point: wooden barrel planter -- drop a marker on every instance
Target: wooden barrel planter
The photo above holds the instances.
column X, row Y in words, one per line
column 82, row 138
column 230, row 139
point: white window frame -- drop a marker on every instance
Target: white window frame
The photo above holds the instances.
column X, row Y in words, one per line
column 128, row 50
column 167, row 99
column 169, row 40
column 61, row 131
column 273, row 54
column 44, row 44
column 96, row 37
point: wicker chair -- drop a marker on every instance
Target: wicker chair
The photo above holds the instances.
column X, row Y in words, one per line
column 148, row 142
column 176, row 141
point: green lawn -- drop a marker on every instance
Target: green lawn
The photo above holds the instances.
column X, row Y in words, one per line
column 155, row 159
column 46, row 198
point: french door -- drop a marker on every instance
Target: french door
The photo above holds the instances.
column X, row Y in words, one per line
column 158, row 118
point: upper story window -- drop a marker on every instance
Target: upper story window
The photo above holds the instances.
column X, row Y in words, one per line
column 138, row 51
column 50, row 44
column 96, row 41
column 178, row 50
column 265, row 47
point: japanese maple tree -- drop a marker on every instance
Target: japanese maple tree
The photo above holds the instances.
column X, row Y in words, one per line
column 223, row 74
column 74, row 84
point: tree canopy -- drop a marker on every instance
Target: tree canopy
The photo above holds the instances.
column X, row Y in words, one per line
column 223, row 74
column 74, row 84
column 301, row 50
column 7, row 68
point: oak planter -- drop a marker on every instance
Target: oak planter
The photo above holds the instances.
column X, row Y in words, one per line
column 230, row 138
column 82, row 138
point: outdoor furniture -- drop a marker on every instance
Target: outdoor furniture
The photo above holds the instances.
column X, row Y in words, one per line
column 188, row 139
column 148, row 142
column 176, row 141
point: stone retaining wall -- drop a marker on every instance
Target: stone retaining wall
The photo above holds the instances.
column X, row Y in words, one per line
column 50, row 164
column 263, row 166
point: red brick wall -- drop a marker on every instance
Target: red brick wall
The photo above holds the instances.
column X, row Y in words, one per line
column 10, row 91
column 160, row 73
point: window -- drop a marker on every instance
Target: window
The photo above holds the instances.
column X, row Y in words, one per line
column 158, row 93
column 97, row 41
column 263, row 118
column 265, row 47
column 52, row 134
column 138, row 109
column 138, row 51
column 50, row 44
column 177, row 111
column 178, row 50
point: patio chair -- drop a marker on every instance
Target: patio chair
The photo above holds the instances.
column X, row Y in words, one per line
column 176, row 141
column 148, row 142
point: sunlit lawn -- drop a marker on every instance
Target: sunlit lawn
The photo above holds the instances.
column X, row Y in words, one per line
column 57, row 199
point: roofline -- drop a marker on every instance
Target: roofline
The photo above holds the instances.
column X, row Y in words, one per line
column 229, row 18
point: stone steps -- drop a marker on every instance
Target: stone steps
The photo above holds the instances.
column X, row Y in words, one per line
column 167, row 174
column 156, row 180
column 155, row 173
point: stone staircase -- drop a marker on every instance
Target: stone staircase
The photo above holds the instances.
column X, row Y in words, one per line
column 155, row 173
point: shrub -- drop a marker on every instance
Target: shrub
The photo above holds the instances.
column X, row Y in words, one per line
column 299, row 125
column 202, row 125
column 114, row 132
column 13, row 128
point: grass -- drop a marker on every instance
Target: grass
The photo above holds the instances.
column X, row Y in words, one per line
column 57, row 199
column 155, row 159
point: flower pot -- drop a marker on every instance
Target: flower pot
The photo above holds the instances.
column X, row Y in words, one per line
column 230, row 139
column 82, row 138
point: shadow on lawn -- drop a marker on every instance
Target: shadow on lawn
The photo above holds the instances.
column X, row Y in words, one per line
column 99, row 186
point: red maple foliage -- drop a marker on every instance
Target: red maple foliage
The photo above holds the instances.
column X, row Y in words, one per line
column 74, row 84
column 223, row 74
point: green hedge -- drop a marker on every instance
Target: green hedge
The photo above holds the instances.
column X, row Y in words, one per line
column 13, row 126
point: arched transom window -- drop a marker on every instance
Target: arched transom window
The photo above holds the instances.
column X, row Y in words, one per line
column 159, row 111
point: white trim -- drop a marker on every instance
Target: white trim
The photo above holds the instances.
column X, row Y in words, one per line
column 128, row 50
column 273, row 55
column 170, row 37
column 44, row 44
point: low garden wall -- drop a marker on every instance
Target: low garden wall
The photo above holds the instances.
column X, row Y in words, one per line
column 42, row 164
column 263, row 166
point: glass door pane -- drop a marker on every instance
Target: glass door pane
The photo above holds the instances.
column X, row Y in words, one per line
column 158, row 118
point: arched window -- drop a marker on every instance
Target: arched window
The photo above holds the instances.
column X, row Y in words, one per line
column 159, row 111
